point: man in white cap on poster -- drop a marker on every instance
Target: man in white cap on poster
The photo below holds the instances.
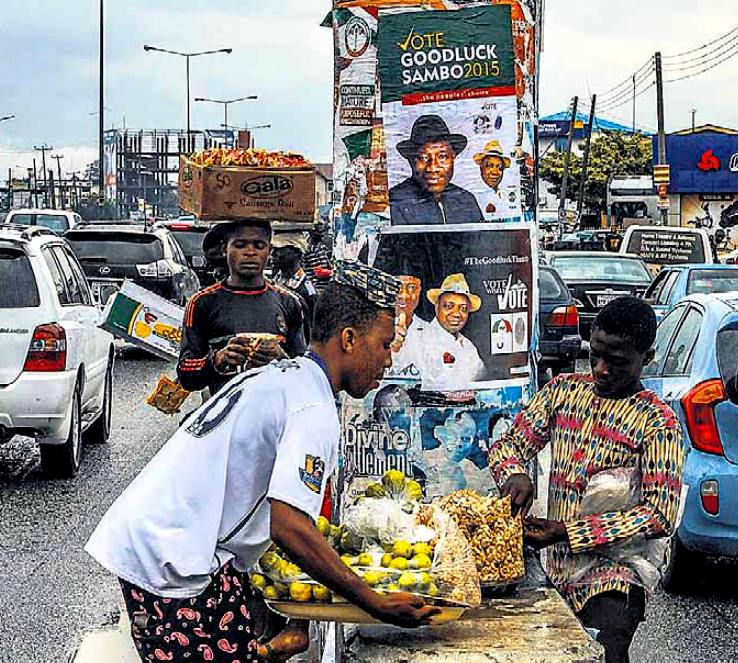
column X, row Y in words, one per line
column 444, row 357
column 492, row 164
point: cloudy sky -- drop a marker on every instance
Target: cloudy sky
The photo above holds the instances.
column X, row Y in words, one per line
column 49, row 77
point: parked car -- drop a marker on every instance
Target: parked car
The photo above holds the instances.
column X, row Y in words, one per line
column 54, row 219
column 596, row 278
column 189, row 234
column 674, row 283
column 589, row 240
column 148, row 256
column 696, row 372
column 56, row 366
column 559, row 339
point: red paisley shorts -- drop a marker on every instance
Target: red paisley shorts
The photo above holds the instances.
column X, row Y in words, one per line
column 214, row 626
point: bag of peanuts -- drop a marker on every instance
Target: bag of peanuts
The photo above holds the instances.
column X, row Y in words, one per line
column 496, row 538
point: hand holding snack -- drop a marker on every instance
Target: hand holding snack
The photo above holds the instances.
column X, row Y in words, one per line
column 520, row 489
column 233, row 356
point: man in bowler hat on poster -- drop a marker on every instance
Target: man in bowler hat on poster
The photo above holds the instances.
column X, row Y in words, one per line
column 428, row 197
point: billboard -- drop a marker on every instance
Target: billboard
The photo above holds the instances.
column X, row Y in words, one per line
column 705, row 162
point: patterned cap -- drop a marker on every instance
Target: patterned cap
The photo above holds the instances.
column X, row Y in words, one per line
column 377, row 286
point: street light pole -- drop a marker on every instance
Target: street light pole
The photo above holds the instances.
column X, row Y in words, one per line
column 225, row 103
column 101, row 108
column 187, row 56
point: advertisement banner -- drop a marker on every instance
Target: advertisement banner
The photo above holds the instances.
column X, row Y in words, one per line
column 450, row 115
column 443, row 447
column 465, row 313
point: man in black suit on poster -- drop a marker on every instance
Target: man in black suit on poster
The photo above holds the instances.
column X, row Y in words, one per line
column 428, row 197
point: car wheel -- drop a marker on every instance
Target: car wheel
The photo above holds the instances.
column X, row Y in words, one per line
column 99, row 431
column 679, row 567
column 63, row 460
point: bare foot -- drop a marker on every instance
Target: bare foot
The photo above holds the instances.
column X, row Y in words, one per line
column 295, row 639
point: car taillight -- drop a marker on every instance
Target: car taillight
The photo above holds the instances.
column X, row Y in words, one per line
column 710, row 496
column 48, row 351
column 159, row 269
column 699, row 409
column 564, row 316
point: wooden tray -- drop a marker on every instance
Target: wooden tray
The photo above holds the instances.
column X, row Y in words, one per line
column 346, row 612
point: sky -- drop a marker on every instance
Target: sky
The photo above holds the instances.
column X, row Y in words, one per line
column 281, row 54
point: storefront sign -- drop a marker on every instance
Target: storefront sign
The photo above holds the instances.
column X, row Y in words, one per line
column 702, row 162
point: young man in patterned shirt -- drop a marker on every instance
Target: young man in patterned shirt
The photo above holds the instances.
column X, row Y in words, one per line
column 595, row 423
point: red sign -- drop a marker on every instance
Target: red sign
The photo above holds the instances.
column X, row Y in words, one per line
column 708, row 162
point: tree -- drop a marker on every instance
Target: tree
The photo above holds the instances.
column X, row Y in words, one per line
column 611, row 154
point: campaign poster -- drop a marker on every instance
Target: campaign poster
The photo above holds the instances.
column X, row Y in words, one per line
column 444, row 447
column 465, row 312
column 450, row 116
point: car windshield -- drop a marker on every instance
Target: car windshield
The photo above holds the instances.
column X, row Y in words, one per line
column 712, row 280
column 191, row 242
column 19, row 284
column 550, row 287
column 56, row 222
column 594, row 268
column 116, row 248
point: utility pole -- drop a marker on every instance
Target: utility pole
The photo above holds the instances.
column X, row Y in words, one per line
column 35, row 184
column 634, row 105
column 101, row 106
column 661, row 124
column 567, row 159
column 585, row 160
column 44, row 149
column 694, row 115
column 58, row 158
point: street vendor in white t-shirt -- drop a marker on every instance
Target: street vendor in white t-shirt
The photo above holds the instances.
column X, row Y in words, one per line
column 247, row 469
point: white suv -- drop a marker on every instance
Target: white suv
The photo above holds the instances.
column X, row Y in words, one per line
column 56, row 364
column 55, row 219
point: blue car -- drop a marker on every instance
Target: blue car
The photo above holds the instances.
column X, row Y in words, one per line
column 675, row 282
column 695, row 370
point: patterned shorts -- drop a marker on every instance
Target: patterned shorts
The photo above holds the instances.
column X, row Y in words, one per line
column 214, row 626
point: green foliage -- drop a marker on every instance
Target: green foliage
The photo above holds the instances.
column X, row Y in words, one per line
column 611, row 154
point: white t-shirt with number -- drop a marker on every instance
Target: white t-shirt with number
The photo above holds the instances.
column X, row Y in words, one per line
column 202, row 501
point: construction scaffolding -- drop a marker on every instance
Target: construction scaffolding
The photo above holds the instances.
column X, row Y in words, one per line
column 141, row 166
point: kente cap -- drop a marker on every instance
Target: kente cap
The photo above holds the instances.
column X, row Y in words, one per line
column 294, row 240
column 455, row 283
column 377, row 286
column 492, row 149
column 429, row 129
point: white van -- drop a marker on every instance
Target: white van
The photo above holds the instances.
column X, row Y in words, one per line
column 668, row 245
column 54, row 219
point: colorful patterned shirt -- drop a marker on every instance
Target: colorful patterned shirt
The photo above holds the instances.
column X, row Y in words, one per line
column 588, row 435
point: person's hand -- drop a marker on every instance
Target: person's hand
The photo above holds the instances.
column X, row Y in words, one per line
column 520, row 489
column 540, row 533
column 232, row 356
column 265, row 354
column 405, row 610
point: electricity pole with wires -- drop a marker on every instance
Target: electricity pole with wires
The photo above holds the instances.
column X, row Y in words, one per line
column 58, row 158
column 661, row 129
column 44, row 149
column 585, row 159
column 567, row 160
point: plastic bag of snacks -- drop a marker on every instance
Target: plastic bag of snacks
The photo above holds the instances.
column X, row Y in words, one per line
column 393, row 544
column 496, row 538
column 168, row 396
column 252, row 157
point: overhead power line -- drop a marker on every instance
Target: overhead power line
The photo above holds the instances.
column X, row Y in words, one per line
column 709, row 56
column 706, row 69
column 629, row 80
column 700, row 48
column 627, row 95
column 629, row 99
